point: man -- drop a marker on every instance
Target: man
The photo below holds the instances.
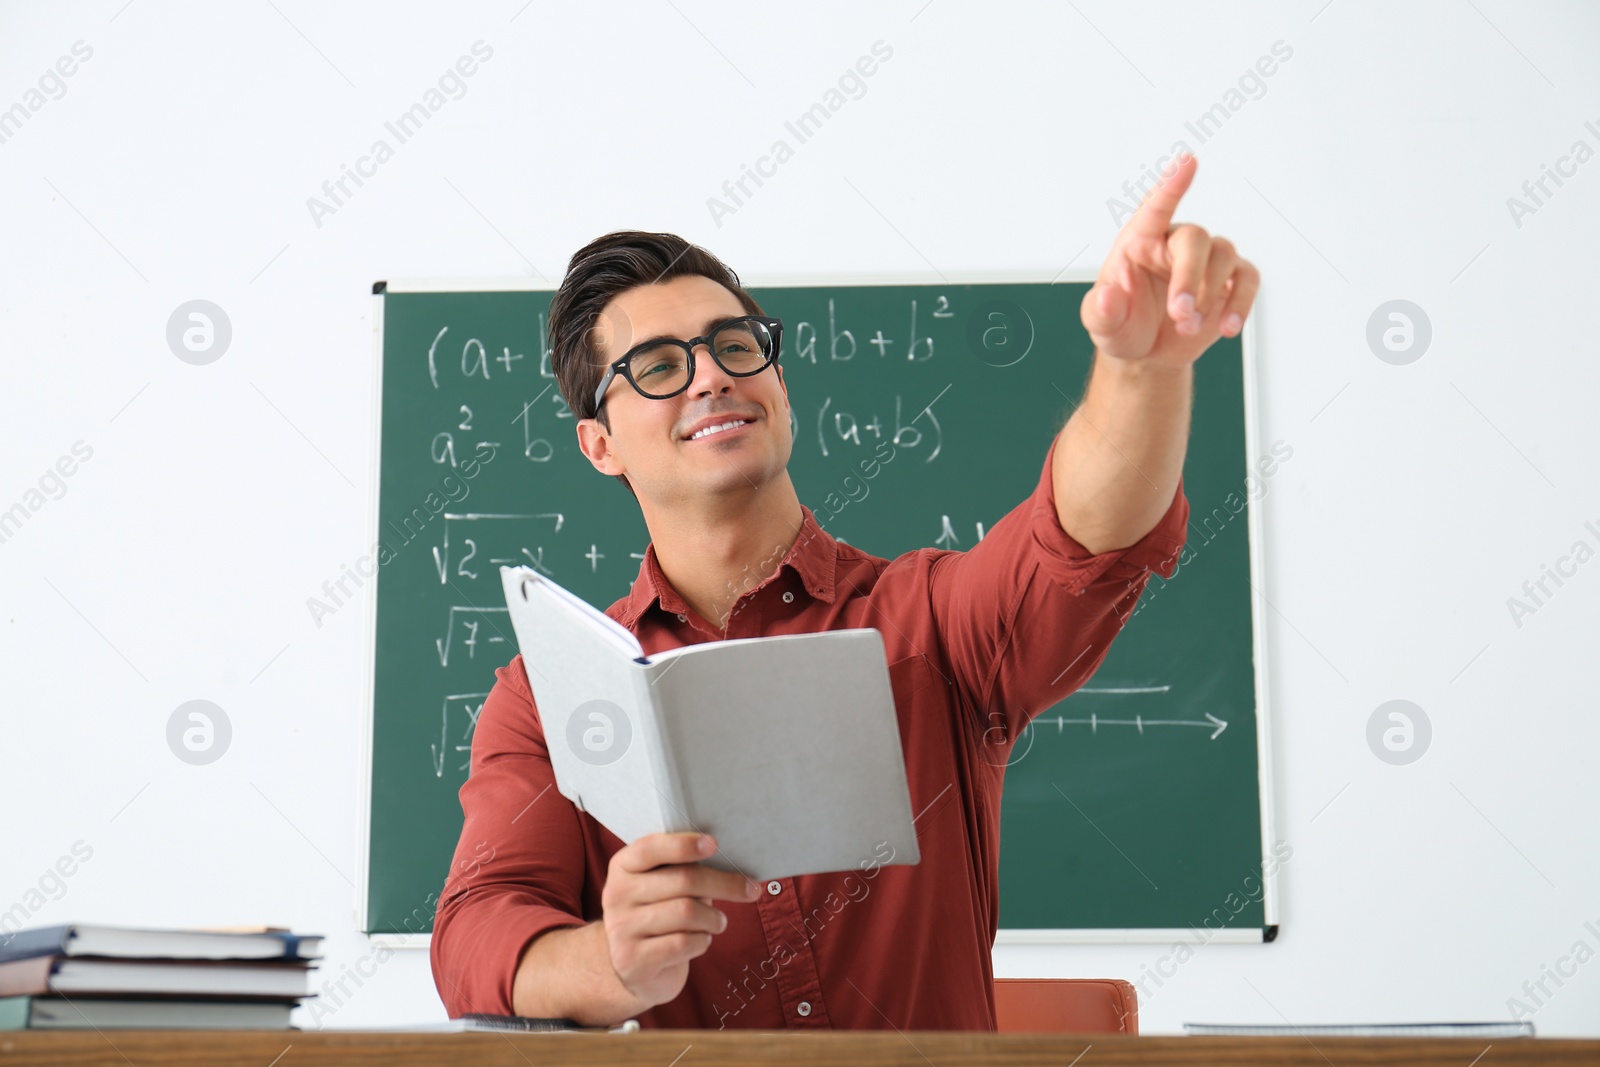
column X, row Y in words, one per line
column 546, row 913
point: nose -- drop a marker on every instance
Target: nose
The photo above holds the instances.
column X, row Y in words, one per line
column 709, row 377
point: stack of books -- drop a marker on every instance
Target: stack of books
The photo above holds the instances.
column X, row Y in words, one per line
column 107, row 977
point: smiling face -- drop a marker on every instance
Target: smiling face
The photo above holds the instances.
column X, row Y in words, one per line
column 652, row 442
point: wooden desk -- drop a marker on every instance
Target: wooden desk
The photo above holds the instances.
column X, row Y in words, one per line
column 690, row 1048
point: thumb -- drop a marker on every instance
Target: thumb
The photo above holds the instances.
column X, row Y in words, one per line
column 1105, row 309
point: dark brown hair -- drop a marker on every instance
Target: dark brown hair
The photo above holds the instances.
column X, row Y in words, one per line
column 599, row 271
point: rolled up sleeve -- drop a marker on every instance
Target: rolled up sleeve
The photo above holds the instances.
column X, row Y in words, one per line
column 520, row 866
column 1027, row 614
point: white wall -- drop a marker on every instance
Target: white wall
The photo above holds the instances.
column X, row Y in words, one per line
column 1376, row 166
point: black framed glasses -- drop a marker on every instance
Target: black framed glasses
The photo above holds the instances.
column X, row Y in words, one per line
column 662, row 369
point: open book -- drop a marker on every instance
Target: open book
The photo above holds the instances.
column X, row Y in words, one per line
column 787, row 749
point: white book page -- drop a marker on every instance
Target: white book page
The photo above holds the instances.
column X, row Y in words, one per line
column 787, row 748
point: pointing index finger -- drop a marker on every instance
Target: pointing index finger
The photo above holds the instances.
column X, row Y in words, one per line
column 1154, row 216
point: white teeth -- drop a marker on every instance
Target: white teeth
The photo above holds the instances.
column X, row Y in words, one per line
column 709, row 430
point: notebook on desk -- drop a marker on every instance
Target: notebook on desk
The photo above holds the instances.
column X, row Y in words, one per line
column 480, row 1023
column 1491, row 1029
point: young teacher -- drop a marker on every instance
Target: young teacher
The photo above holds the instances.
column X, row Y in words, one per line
column 671, row 369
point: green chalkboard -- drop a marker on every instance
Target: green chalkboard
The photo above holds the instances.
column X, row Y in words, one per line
column 1132, row 808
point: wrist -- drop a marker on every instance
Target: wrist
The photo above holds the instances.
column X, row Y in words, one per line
column 1145, row 369
column 567, row 973
column 624, row 1001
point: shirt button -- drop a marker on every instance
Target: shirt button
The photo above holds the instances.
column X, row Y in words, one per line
column 804, row 1007
column 683, row 618
column 788, row 598
column 774, row 887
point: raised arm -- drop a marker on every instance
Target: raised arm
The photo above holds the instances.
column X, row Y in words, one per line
column 1027, row 614
column 1164, row 295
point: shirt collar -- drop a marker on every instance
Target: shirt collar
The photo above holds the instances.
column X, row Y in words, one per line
column 813, row 557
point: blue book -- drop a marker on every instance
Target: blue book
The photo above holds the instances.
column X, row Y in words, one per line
column 77, row 939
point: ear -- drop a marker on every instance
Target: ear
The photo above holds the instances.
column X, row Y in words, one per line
column 595, row 443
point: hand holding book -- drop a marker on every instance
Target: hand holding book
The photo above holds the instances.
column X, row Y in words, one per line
column 659, row 913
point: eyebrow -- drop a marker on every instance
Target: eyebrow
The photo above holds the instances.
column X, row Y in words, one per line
column 711, row 324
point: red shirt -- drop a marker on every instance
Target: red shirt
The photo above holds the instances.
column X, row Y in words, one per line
column 978, row 642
